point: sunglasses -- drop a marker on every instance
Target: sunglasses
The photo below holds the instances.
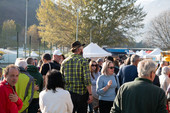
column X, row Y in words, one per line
column 93, row 65
column 111, row 67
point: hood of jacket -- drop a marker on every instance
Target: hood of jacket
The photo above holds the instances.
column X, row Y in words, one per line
column 32, row 68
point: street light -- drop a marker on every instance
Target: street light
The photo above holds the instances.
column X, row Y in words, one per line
column 17, row 44
column 26, row 16
column 77, row 24
column 91, row 33
column 39, row 41
column 44, row 46
column 30, row 46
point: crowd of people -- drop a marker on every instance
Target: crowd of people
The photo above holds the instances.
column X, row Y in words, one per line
column 78, row 85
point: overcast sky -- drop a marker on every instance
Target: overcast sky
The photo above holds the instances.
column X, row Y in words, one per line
column 153, row 9
column 144, row 1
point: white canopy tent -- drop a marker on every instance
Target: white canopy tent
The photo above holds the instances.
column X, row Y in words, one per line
column 130, row 52
column 33, row 54
column 155, row 53
column 93, row 50
column 9, row 56
column 141, row 53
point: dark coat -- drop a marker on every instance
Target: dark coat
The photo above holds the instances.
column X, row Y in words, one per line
column 140, row 96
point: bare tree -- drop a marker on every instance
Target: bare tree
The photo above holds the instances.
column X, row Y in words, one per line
column 158, row 34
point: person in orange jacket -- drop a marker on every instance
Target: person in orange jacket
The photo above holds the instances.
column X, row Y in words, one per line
column 9, row 100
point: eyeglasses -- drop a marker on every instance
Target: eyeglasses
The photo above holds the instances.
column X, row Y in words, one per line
column 93, row 65
column 111, row 67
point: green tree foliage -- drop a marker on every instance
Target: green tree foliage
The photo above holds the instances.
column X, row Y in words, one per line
column 111, row 22
column 33, row 32
column 8, row 35
column 115, row 21
column 56, row 25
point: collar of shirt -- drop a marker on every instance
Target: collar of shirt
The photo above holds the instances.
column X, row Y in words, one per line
column 76, row 55
column 143, row 79
column 9, row 86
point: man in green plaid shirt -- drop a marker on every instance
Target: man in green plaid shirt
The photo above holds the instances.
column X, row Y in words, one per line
column 77, row 77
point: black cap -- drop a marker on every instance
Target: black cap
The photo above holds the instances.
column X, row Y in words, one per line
column 76, row 45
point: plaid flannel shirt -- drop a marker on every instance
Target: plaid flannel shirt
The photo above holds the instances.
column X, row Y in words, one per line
column 76, row 74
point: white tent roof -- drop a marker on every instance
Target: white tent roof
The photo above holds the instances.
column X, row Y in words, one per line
column 130, row 52
column 6, row 51
column 93, row 50
column 33, row 54
column 141, row 53
column 154, row 53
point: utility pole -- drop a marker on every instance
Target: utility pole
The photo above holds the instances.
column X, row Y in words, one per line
column 44, row 46
column 17, row 43
column 77, row 24
column 26, row 17
column 91, row 33
column 39, row 39
column 30, row 46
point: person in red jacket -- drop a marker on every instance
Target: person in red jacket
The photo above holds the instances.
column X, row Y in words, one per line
column 9, row 100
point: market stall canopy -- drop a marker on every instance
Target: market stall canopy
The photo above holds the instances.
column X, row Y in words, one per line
column 6, row 51
column 130, row 52
column 166, row 59
column 9, row 56
column 116, row 51
column 33, row 54
column 155, row 53
column 93, row 50
column 141, row 53
column 166, row 55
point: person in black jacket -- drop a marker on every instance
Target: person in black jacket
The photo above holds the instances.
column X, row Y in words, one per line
column 56, row 59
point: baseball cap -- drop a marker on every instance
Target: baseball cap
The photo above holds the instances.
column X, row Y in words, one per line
column 57, row 52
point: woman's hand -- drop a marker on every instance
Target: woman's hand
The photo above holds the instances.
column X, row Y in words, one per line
column 109, row 83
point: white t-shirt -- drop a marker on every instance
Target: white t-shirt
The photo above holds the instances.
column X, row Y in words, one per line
column 164, row 82
column 58, row 102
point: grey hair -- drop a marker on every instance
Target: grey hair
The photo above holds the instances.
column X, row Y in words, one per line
column 145, row 67
column 21, row 63
column 165, row 70
column 105, row 66
column 134, row 58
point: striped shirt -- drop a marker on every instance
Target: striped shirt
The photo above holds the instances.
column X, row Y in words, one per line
column 76, row 74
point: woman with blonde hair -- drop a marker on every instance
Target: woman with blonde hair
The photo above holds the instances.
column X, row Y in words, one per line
column 107, row 85
column 94, row 74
